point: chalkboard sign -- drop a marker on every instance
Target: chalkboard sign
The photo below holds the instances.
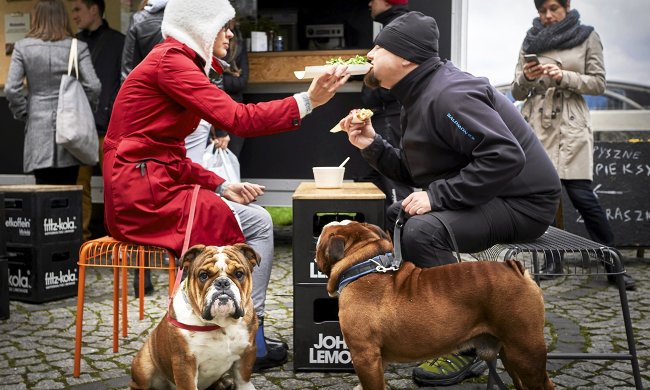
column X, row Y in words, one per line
column 622, row 184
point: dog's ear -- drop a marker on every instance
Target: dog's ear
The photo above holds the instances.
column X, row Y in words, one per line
column 249, row 253
column 335, row 248
column 377, row 230
column 191, row 254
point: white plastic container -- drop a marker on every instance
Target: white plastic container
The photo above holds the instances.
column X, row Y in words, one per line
column 328, row 177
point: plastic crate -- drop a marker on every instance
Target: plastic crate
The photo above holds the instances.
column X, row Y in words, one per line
column 3, row 232
column 41, row 214
column 44, row 273
column 317, row 339
column 4, row 288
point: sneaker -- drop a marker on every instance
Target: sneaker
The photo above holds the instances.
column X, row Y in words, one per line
column 448, row 370
column 276, row 343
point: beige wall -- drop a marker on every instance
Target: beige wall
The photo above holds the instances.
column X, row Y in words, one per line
column 113, row 12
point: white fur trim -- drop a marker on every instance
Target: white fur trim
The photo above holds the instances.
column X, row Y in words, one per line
column 196, row 23
column 154, row 6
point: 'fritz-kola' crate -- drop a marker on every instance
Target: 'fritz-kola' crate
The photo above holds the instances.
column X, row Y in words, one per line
column 39, row 214
column 42, row 231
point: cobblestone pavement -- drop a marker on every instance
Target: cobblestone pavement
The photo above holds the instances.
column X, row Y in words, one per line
column 37, row 342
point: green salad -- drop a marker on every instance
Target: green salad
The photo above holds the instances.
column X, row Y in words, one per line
column 356, row 60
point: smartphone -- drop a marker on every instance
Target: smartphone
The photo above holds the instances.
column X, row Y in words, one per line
column 531, row 57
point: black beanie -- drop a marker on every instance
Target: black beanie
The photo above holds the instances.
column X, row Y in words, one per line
column 412, row 36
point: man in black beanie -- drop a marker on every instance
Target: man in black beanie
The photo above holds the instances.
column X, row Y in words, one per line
column 386, row 109
column 484, row 175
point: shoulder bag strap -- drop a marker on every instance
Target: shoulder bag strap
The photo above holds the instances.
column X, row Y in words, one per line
column 73, row 58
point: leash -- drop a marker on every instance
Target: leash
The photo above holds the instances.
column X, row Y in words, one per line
column 397, row 234
column 397, row 237
column 179, row 272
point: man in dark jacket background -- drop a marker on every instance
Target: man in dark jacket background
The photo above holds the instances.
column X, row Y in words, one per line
column 484, row 175
column 385, row 107
column 142, row 35
column 105, row 45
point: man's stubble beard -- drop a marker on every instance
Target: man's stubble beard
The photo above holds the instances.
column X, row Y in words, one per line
column 370, row 80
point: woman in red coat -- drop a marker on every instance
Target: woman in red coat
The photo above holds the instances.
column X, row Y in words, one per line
column 148, row 181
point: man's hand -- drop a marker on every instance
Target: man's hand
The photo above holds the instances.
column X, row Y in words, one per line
column 221, row 142
column 417, row 203
column 243, row 193
column 361, row 134
column 323, row 88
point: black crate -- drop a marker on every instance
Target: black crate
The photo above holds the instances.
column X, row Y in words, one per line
column 44, row 273
column 317, row 339
column 4, row 288
column 309, row 218
column 3, row 233
column 42, row 214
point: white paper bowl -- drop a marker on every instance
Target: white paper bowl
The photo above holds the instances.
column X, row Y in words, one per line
column 328, row 177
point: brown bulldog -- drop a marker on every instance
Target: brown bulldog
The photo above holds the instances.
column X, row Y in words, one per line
column 415, row 314
column 210, row 326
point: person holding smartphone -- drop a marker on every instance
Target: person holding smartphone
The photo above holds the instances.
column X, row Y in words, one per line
column 559, row 61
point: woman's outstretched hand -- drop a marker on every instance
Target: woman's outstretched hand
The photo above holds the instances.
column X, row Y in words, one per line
column 323, row 88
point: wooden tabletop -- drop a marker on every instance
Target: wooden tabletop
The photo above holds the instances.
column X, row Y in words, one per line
column 39, row 188
column 308, row 190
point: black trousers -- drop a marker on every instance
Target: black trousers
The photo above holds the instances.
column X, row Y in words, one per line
column 584, row 199
column 67, row 175
column 427, row 243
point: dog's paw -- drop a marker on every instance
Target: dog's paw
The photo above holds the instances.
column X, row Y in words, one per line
column 225, row 383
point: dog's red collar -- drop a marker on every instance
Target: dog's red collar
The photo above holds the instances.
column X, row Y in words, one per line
column 193, row 328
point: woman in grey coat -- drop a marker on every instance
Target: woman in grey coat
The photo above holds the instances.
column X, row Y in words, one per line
column 42, row 59
column 569, row 64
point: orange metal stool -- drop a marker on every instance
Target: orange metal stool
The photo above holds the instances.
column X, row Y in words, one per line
column 109, row 253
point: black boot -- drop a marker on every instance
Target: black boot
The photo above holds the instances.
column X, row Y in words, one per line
column 609, row 267
column 148, row 286
column 271, row 353
column 627, row 279
column 552, row 267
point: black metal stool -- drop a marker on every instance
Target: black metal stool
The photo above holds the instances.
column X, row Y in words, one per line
column 593, row 259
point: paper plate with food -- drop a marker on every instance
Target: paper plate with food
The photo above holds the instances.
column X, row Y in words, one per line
column 360, row 115
column 357, row 65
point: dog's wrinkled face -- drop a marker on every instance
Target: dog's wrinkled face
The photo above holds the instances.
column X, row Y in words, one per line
column 338, row 239
column 219, row 279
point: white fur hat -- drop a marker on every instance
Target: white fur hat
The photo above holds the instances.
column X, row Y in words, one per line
column 196, row 23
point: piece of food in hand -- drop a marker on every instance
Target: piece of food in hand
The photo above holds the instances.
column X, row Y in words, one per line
column 356, row 60
column 361, row 115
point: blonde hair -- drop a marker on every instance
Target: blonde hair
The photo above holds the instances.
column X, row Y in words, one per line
column 50, row 21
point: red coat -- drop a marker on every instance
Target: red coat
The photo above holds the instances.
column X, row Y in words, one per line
column 148, row 180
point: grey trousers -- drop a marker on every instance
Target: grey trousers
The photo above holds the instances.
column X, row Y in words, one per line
column 257, row 226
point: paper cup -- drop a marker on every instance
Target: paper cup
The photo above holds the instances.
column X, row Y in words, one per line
column 328, row 177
